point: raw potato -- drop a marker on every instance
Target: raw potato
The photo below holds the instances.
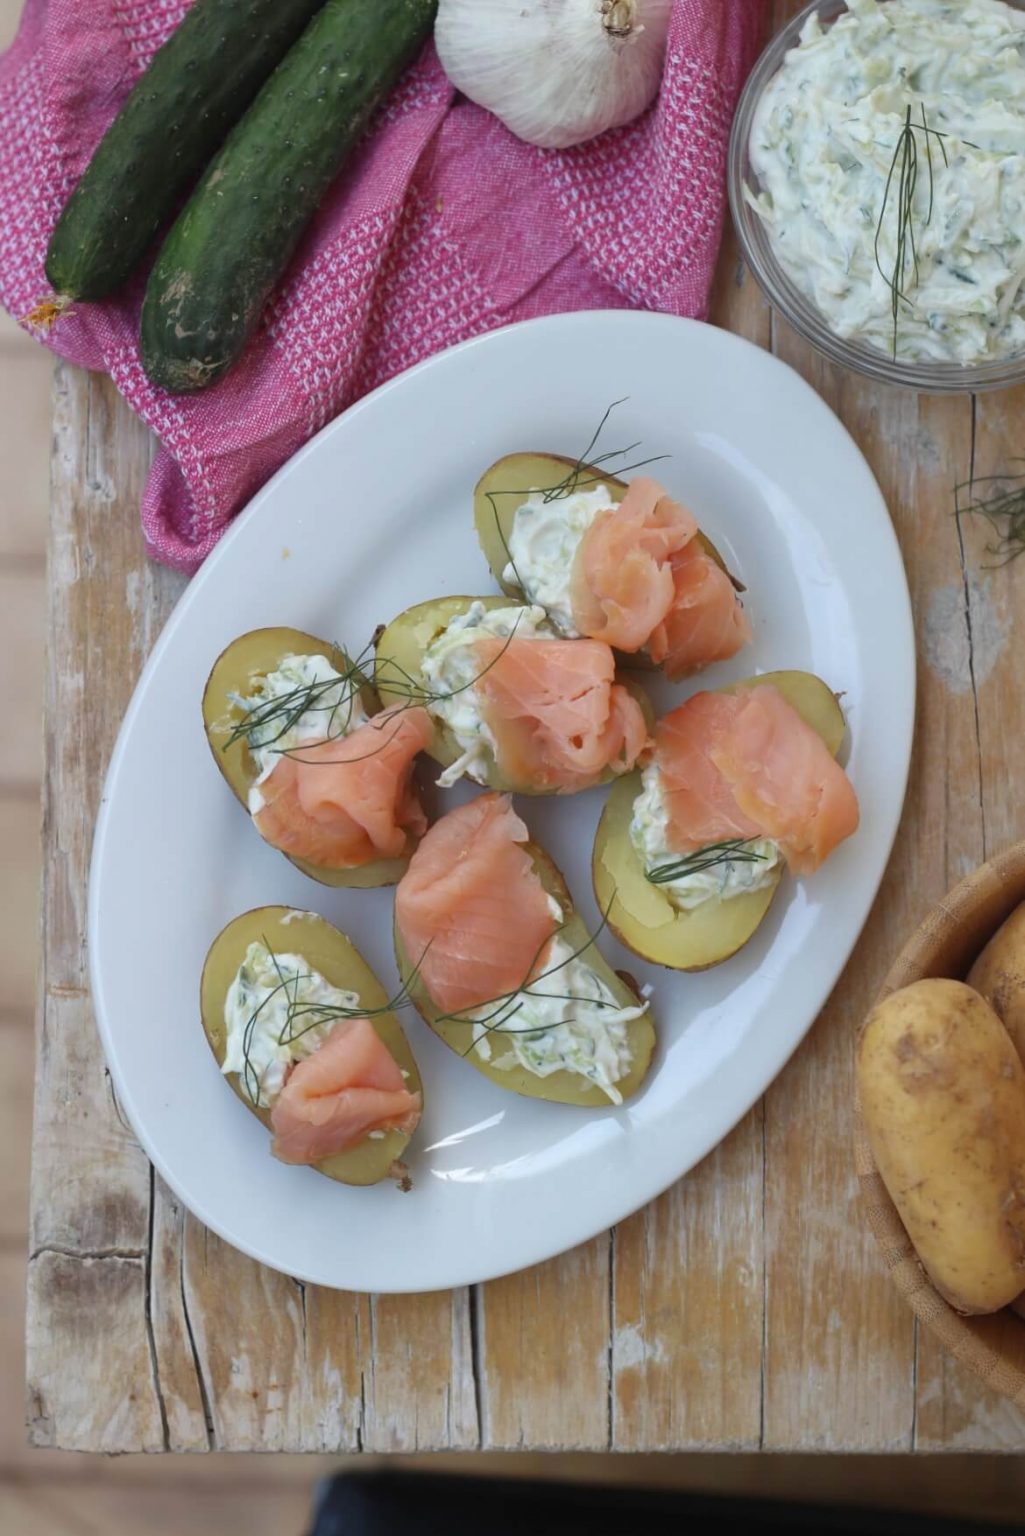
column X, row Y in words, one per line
column 999, row 975
column 559, row 1087
column 640, row 913
column 340, row 963
column 400, row 650
column 511, row 479
column 252, row 656
column 942, row 1095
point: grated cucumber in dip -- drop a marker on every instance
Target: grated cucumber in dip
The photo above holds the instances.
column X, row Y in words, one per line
column 649, row 833
column 565, row 1020
column 261, row 1044
column 450, row 667
column 543, row 543
column 824, row 139
column 334, row 708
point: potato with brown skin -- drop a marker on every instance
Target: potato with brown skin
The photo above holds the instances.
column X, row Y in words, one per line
column 641, row 914
column 503, row 488
column 561, row 1087
column 329, row 952
column 942, row 1093
column 999, row 975
column 234, row 673
column 399, row 652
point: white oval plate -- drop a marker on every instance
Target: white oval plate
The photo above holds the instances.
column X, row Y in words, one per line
column 373, row 515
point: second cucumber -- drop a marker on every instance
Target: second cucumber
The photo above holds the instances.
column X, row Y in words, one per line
column 240, row 228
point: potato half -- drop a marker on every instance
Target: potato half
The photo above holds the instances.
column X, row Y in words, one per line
column 400, row 650
column 942, row 1095
column 328, row 951
column 560, row 1087
column 505, row 486
column 640, row 913
column 999, row 975
column 236, row 670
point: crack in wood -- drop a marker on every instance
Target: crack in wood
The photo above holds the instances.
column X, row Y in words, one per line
column 151, row 1340
column 89, row 1255
column 610, row 1388
column 204, row 1395
column 474, row 1306
column 765, row 1282
column 914, row 1386
column 966, row 584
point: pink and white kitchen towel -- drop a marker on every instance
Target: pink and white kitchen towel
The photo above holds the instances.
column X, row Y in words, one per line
column 444, row 225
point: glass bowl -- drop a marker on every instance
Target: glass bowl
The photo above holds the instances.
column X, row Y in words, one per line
column 806, row 319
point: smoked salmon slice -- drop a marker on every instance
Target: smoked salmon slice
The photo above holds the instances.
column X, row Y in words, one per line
column 332, row 1100
column 471, row 911
column 558, row 717
column 747, row 765
column 705, row 622
column 642, row 579
column 621, row 586
column 348, row 801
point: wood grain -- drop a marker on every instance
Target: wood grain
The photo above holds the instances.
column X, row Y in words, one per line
column 745, row 1308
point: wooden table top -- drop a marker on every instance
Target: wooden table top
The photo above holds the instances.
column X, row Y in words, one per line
column 747, row 1307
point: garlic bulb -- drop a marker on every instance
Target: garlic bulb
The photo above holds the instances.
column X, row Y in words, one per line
column 556, row 72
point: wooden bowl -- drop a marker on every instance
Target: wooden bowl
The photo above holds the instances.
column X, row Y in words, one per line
column 946, row 944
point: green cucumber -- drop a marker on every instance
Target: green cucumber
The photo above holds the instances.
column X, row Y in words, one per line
column 237, row 233
column 196, row 86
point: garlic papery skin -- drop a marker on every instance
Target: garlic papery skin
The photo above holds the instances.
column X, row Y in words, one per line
column 555, row 72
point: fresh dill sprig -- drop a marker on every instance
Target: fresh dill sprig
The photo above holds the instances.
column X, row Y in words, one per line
column 309, row 1015
column 733, row 850
column 412, row 690
column 286, row 710
column 1000, row 499
column 583, row 471
column 334, row 697
column 904, row 168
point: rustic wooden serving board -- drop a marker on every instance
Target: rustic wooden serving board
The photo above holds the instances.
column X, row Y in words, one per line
column 748, row 1307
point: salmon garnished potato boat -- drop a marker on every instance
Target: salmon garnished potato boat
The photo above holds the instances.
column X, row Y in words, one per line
column 742, row 784
column 495, row 958
column 309, row 1041
column 298, row 732
column 611, row 561
column 513, row 706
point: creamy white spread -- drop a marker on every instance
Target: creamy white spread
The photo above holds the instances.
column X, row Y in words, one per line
column 565, row 1020
column 326, row 703
column 265, row 1033
column 649, row 833
column 542, row 545
column 451, row 666
column 822, row 146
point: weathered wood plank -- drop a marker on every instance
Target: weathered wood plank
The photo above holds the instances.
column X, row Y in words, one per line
column 418, row 1370
column 543, row 1338
column 688, row 1308
column 88, row 1326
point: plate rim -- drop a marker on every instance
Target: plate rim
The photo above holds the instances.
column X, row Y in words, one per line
column 643, row 1192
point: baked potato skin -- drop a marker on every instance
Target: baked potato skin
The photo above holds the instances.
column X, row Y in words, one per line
column 942, row 1094
column 251, row 656
column 328, row 951
column 999, row 976
column 559, row 1087
column 400, row 648
column 641, row 914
